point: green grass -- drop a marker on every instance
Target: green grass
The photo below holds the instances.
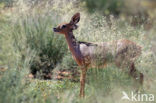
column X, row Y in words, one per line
column 7, row 3
column 28, row 44
column 105, row 6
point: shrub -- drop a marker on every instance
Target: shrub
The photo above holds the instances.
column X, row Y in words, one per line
column 35, row 32
column 8, row 3
column 105, row 6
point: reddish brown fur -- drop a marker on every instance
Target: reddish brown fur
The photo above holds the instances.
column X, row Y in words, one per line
column 122, row 47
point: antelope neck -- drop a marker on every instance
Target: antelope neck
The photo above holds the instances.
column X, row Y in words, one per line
column 74, row 47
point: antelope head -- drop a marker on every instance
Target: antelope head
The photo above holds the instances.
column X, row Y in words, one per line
column 68, row 27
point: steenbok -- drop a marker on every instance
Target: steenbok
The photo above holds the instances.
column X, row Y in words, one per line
column 121, row 52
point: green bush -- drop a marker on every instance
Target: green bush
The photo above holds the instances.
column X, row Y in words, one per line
column 105, row 6
column 35, row 32
column 68, row 62
column 8, row 3
column 41, row 38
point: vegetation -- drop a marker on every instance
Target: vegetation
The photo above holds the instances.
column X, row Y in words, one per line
column 105, row 6
column 28, row 45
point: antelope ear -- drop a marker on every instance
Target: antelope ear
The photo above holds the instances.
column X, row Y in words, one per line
column 75, row 19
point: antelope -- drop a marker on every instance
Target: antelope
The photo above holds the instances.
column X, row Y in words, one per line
column 122, row 52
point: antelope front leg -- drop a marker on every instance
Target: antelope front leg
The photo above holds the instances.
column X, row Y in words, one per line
column 82, row 81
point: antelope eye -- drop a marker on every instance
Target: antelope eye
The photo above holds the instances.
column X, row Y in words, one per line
column 63, row 26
